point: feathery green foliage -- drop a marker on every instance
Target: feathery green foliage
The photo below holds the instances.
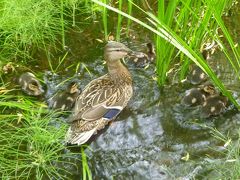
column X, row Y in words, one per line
column 229, row 166
column 32, row 145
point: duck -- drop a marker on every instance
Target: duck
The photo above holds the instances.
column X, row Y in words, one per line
column 197, row 96
column 30, row 84
column 141, row 59
column 8, row 68
column 196, row 75
column 103, row 99
column 214, row 105
column 64, row 100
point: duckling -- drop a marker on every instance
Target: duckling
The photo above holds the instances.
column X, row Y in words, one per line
column 65, row 100
column 196, row 96
column 214, row 105
column 30, row 85
column 103, row 98
column 143, row 59
column 196, row 75
column 8, row 68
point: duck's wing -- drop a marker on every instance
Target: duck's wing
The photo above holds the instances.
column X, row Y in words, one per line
column 101, row 99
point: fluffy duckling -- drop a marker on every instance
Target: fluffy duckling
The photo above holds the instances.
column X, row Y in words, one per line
column 30, row 85
column 143, row 59
column 196, row 75
column 197, row 96
column 65, row 100
column 103, row 98
column 214, row 105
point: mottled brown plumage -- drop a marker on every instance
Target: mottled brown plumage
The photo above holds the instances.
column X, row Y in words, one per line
column 65, row 99
column 30, row 84
column 103, row 98
column 197, row 96
column 141, row 59
column 196, row 75
column 214, row 105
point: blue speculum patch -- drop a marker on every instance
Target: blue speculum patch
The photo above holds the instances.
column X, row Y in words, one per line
column 111, row 114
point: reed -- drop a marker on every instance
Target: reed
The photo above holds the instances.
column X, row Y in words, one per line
column 119, row 22
column 87, row 175
column 105, row 21
column 62, row 24
column 129, row 12
column 229, row 166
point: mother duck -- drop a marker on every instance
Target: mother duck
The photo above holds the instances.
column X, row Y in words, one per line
column 103, row 98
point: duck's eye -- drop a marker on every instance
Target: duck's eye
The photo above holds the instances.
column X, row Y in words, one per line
column 34, row 83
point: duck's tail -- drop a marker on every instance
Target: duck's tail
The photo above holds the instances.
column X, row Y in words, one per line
column 78, row 138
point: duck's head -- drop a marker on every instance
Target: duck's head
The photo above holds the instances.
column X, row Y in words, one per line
column 150, row 48
column 208, row 88
column 73, row 88
column 34, row 88
column 115, row 50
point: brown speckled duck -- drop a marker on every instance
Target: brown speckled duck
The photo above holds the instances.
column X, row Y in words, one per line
column 196, row 75
column 30, row 85
column 197, row 96
column 214, row 105
column 143, row 59
column 64, row 100
column 103, row 98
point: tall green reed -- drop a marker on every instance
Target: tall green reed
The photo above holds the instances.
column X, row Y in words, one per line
column 130, row 13
column 105, row 20
column 86, row 171
column 118, row 33
column 228, row 167
column 62, row 24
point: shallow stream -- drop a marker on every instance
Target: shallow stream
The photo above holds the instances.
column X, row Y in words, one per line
column 155, row 132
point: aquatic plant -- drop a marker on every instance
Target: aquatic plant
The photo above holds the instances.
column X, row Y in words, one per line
column 105, row 22
column 32, row 141
column 227, row 167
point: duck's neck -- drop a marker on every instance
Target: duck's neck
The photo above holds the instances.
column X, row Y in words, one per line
column 118, row 72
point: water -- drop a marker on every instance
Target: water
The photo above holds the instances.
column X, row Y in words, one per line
column 155, row 132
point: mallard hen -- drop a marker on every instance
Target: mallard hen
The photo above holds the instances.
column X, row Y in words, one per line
column 64, row 100
column 103, row 98
column 30, row 85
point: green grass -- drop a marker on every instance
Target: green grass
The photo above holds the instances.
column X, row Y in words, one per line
column 32, row 141
column 27, row 23
column 130, row 13
column 105, row 22
column 119, row 22
column 229, row 166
